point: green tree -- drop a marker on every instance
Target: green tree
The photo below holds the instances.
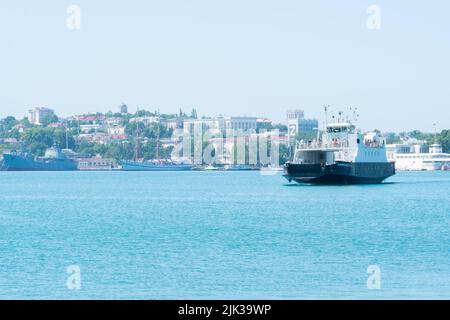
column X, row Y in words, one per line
column 419, row 135
column 444, row 140
column 47, row 119
column 39, row 139
column 392, row 137
column 9, row 122
column 26, row 122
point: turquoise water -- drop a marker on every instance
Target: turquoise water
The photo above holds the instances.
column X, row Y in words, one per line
column 155, row 235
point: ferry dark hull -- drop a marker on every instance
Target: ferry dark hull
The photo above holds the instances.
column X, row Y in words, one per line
column 339, row 173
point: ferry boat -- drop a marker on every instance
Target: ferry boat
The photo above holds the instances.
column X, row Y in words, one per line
column 53, row 160
column 341, row 156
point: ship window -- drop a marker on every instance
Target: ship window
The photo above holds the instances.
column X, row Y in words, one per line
column 358, row 141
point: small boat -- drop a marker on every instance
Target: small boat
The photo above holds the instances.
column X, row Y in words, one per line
column 239, row 167
column 210, row 168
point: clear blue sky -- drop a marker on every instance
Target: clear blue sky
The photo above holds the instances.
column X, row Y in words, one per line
column 234, row 57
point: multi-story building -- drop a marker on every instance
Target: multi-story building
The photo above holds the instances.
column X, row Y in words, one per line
column 146, row 120
column 90, row 128
column 243, row 124
column 263, row 124
column 113, row 121
column 199, row 126
column 173, row 123
column 116, row 130
column 36, row 115
column 224, row 125
column 308, row 125
column 298, row 124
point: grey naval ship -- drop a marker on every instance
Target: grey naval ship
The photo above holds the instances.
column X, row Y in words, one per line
column 53, row 160
column 342, row 155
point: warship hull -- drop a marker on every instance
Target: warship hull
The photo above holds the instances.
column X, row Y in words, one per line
column 13, row 162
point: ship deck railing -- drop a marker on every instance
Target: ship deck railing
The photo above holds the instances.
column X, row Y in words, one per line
column 320, row 146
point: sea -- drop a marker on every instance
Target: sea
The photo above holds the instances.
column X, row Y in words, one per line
column 222, row 235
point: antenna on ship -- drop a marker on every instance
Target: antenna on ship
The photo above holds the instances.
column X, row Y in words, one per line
column 325, row 107
column 355, row 114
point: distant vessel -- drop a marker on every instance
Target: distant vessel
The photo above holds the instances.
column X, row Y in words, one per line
column 210, row 168
column 53, row 160
column 138, row 164
column 240, row 167
column 341, row 156
column 129, row 165
column 419, row 157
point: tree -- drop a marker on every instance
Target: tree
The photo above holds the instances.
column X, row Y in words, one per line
column 47, row 119
column 37, row 148
column 26, row 122
column 392, row 138
column 144, row 113
column 280, row 127
column 444, row 140
column 9, row 122
column 38, row 139
column 182, row 114
column 416, row 134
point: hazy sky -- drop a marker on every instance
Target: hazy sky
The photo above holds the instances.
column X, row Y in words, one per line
column 233, row 57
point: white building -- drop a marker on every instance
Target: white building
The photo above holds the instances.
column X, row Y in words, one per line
column 223, row 125
column 173, row 123
column 113, row 121
column 146, row 120
column 89, row 128
column 243, row 124
column 200, row 126
column 116, row 130
column 36, row 115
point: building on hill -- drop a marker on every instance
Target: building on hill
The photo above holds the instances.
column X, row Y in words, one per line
column 37, row 115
